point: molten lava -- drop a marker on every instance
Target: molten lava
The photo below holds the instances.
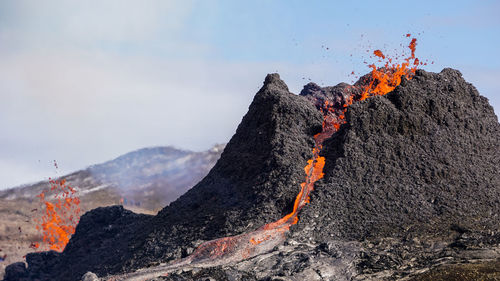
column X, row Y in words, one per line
column 61, row 215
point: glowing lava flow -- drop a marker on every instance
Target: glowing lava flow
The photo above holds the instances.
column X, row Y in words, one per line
column 236, row 248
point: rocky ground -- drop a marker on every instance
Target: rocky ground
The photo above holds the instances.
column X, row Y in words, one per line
column 411, row 192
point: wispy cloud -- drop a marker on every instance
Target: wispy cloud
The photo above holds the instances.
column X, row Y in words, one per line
column 91, row 22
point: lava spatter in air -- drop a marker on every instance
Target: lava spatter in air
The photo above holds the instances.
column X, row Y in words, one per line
column 380, row 81
column 61, row 212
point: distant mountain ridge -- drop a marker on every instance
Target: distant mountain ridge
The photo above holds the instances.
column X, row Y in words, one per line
column 149, row 177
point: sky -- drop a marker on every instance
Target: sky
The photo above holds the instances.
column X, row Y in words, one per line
column 82, row 82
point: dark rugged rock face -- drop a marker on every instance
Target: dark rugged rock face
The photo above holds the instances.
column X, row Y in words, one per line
column 411, row 180
column 423, row 159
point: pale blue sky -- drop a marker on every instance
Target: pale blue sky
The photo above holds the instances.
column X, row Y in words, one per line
column 82, row 82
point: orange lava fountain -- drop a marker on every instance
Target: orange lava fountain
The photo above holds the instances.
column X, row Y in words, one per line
column 61, row 215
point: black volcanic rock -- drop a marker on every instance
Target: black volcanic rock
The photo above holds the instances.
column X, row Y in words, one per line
column 16, row 271
column 103, row 237
column 420, row 160
column 337, row 95
column 411, row 181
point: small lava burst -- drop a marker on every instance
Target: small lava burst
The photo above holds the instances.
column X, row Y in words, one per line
column 379, row 54
column 384, row 79
column 61, row 212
